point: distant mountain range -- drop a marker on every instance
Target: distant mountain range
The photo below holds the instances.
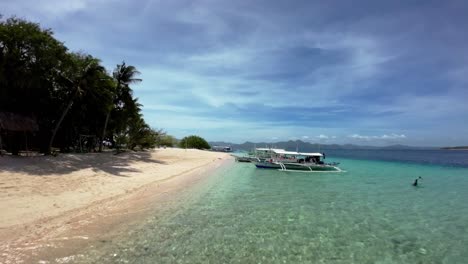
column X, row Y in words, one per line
column 310, row 147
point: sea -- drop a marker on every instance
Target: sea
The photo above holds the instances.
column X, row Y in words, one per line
column 370, row 213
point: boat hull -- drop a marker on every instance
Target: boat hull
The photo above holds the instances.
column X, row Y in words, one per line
column 296, row 166
column 267, row 165
column 246, row 159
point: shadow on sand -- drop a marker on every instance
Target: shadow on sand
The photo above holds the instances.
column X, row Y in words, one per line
column 63, row 164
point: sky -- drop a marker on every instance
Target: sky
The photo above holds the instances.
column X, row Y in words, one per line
column 358, row 72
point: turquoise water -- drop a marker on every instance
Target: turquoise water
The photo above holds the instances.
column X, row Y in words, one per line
column 370, row 214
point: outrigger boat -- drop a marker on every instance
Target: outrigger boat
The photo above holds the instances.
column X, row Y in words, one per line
column 258, row 155
column 246, row 159
column 297, row 161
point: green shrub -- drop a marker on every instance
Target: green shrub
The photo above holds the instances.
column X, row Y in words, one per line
column 194, row 142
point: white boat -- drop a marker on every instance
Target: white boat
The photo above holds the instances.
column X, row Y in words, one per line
column 257, row 155
column 297, row 161
column 221, row 148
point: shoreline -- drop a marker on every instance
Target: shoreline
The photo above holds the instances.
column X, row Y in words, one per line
column 118, row 201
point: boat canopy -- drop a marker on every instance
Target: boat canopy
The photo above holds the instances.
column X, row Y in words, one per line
column 269, row 149
column 310, row 154
column 284, row 152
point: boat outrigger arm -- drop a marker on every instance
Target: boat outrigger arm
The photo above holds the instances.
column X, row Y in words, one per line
column 306, row 168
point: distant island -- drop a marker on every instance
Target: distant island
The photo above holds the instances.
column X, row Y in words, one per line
column 313, row 147
column 456, row 148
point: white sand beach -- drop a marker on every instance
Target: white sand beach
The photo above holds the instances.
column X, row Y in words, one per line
column 43, row 198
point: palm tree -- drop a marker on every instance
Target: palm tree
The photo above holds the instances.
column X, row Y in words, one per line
column 124, row 75
column 88, row 70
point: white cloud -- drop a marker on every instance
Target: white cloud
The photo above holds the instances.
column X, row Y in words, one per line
column 321, row 136
column 212, row 90
column 223, row 58
column 385, row 136
column 169, row 108
column 357, row 136
column 393, row 136
column 47, row 8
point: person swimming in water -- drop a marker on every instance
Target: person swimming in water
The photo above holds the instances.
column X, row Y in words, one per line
column 415, row 183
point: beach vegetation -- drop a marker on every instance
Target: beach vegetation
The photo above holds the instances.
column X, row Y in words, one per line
column 167, row 141
column 195, row 142
column 70, row 99
column 123, row 76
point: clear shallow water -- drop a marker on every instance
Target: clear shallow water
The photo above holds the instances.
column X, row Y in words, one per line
column 456, row 158
column 453, row 158
column 370, row 214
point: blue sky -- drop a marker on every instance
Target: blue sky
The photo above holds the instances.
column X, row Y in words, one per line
column 361, row 72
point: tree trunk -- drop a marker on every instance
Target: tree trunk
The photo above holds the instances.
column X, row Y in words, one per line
column 57, row 126
column 104, row 130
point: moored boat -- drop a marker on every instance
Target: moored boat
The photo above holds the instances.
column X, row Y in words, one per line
column 246, row 159
column 258, row 155
column 297, row 161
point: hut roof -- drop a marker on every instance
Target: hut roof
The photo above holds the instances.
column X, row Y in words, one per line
column 17, row 122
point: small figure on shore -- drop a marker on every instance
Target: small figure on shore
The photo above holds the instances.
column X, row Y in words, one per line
column 415, row 183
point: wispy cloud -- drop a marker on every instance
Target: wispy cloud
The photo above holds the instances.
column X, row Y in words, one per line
column 43, row 8
column 382, row 137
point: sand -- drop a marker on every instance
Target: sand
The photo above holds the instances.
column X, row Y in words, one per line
column 43, row 199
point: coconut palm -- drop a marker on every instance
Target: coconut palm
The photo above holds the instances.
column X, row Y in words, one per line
column 124, row 75
column 84, row 72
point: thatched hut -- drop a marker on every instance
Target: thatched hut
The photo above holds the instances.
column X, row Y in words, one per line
column 14, row 130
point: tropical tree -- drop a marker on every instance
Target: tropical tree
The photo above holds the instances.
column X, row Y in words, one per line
column 85, row 71
column 123, row 75
column 194, row 142
column 30, row 60
column 165, row 140
column 30, row 65
column 70, row 95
